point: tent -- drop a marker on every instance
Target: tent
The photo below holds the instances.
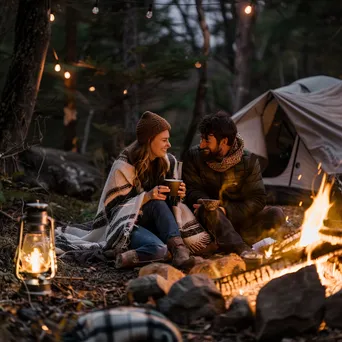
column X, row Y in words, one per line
column 295, row 130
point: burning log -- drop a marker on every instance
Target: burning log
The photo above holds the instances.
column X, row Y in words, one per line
column 232, row 285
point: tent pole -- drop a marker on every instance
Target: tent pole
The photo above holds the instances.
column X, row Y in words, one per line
column 294, row 159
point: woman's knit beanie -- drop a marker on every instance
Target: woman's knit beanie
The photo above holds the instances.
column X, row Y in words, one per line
column 149, row 125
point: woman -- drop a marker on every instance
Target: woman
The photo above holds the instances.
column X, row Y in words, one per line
column 133, row 203
column 134, row 223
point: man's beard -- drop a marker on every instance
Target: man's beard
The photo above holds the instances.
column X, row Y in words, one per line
column 210, row 156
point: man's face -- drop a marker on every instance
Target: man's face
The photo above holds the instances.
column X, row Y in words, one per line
column 211, row 150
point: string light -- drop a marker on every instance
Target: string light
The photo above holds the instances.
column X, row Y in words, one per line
column 58, row 67
column 52, row 17
column 92, row 88
column 125, row 92
column 149, row 13
column 67, row 75
column 248, row 9
column 95, row 9
column 198, row 65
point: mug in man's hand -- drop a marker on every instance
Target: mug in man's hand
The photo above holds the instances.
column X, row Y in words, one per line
column 209, row 204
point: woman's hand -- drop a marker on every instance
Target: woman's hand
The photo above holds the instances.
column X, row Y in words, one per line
column 157, row 193
column 182, row 190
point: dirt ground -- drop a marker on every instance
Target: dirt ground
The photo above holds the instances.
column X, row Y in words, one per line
column 76, row 289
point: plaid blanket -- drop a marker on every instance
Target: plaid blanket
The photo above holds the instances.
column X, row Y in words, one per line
column 118, row 210
column 125, row 324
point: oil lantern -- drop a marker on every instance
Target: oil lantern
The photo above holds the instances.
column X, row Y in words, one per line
column 35, row 260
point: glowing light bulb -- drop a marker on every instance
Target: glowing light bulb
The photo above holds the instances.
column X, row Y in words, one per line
column 58, row 67
column 95, row 10
column 198, row 65
column 125, row 92
column 248, row 9
column 52, row 17
column 67, row 75
column 149, row 13
column 92, row 88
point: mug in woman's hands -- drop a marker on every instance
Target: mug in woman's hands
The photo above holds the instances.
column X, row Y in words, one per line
column 173, row 184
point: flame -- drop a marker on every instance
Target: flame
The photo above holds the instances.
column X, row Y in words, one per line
column 315, row 215
column 35, row 260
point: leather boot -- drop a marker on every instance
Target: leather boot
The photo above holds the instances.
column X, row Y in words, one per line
column 181, row 255
column 127, row 259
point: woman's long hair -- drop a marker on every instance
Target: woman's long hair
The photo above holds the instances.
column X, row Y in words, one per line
column 147, row 173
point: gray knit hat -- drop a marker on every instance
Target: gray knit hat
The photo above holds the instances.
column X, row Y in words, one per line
column 149, row 125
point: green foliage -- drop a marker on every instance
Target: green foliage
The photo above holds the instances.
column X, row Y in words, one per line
column 293, row 39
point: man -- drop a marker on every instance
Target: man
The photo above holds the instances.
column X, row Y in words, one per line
column 221, row 169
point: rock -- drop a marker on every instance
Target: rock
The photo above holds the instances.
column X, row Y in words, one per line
column 221, row 267
column 166, row 271
column 238, row 317
column 333, row 311
column 193, row 297
column 66, row 173
column 150, row 286
column 290, row 305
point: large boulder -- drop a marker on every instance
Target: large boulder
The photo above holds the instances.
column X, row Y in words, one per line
column 66, row 173
column 290, row 305
column 333, row 311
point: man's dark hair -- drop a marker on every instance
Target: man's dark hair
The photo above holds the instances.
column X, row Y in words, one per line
column 220, row 125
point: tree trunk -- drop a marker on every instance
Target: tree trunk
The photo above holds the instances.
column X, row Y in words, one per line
column 70, row 112
column 229, row 34
column 244, row 53
column 131, row 63
column 32, row 35
column 8, row 8
column 199, row 109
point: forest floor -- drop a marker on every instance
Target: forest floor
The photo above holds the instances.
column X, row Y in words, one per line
column 76, row 289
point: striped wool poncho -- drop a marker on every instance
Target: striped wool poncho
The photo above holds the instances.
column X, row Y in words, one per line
column 118, row 211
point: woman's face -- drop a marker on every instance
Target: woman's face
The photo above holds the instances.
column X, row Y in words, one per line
column 160, row 144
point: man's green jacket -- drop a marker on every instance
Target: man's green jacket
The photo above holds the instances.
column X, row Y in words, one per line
column 240, row 188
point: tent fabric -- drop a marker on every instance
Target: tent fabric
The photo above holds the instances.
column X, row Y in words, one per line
column 316, row 116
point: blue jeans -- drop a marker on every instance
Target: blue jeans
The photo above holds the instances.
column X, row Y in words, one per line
column 154, row 228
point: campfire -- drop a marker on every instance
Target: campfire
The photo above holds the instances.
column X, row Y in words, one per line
column 313, row 243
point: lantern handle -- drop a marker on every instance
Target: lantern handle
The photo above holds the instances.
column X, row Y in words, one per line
column 18, row 252
column 52, row 250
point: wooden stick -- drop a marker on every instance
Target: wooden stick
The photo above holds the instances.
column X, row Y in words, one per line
column 9, row 216
column 69, row 278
